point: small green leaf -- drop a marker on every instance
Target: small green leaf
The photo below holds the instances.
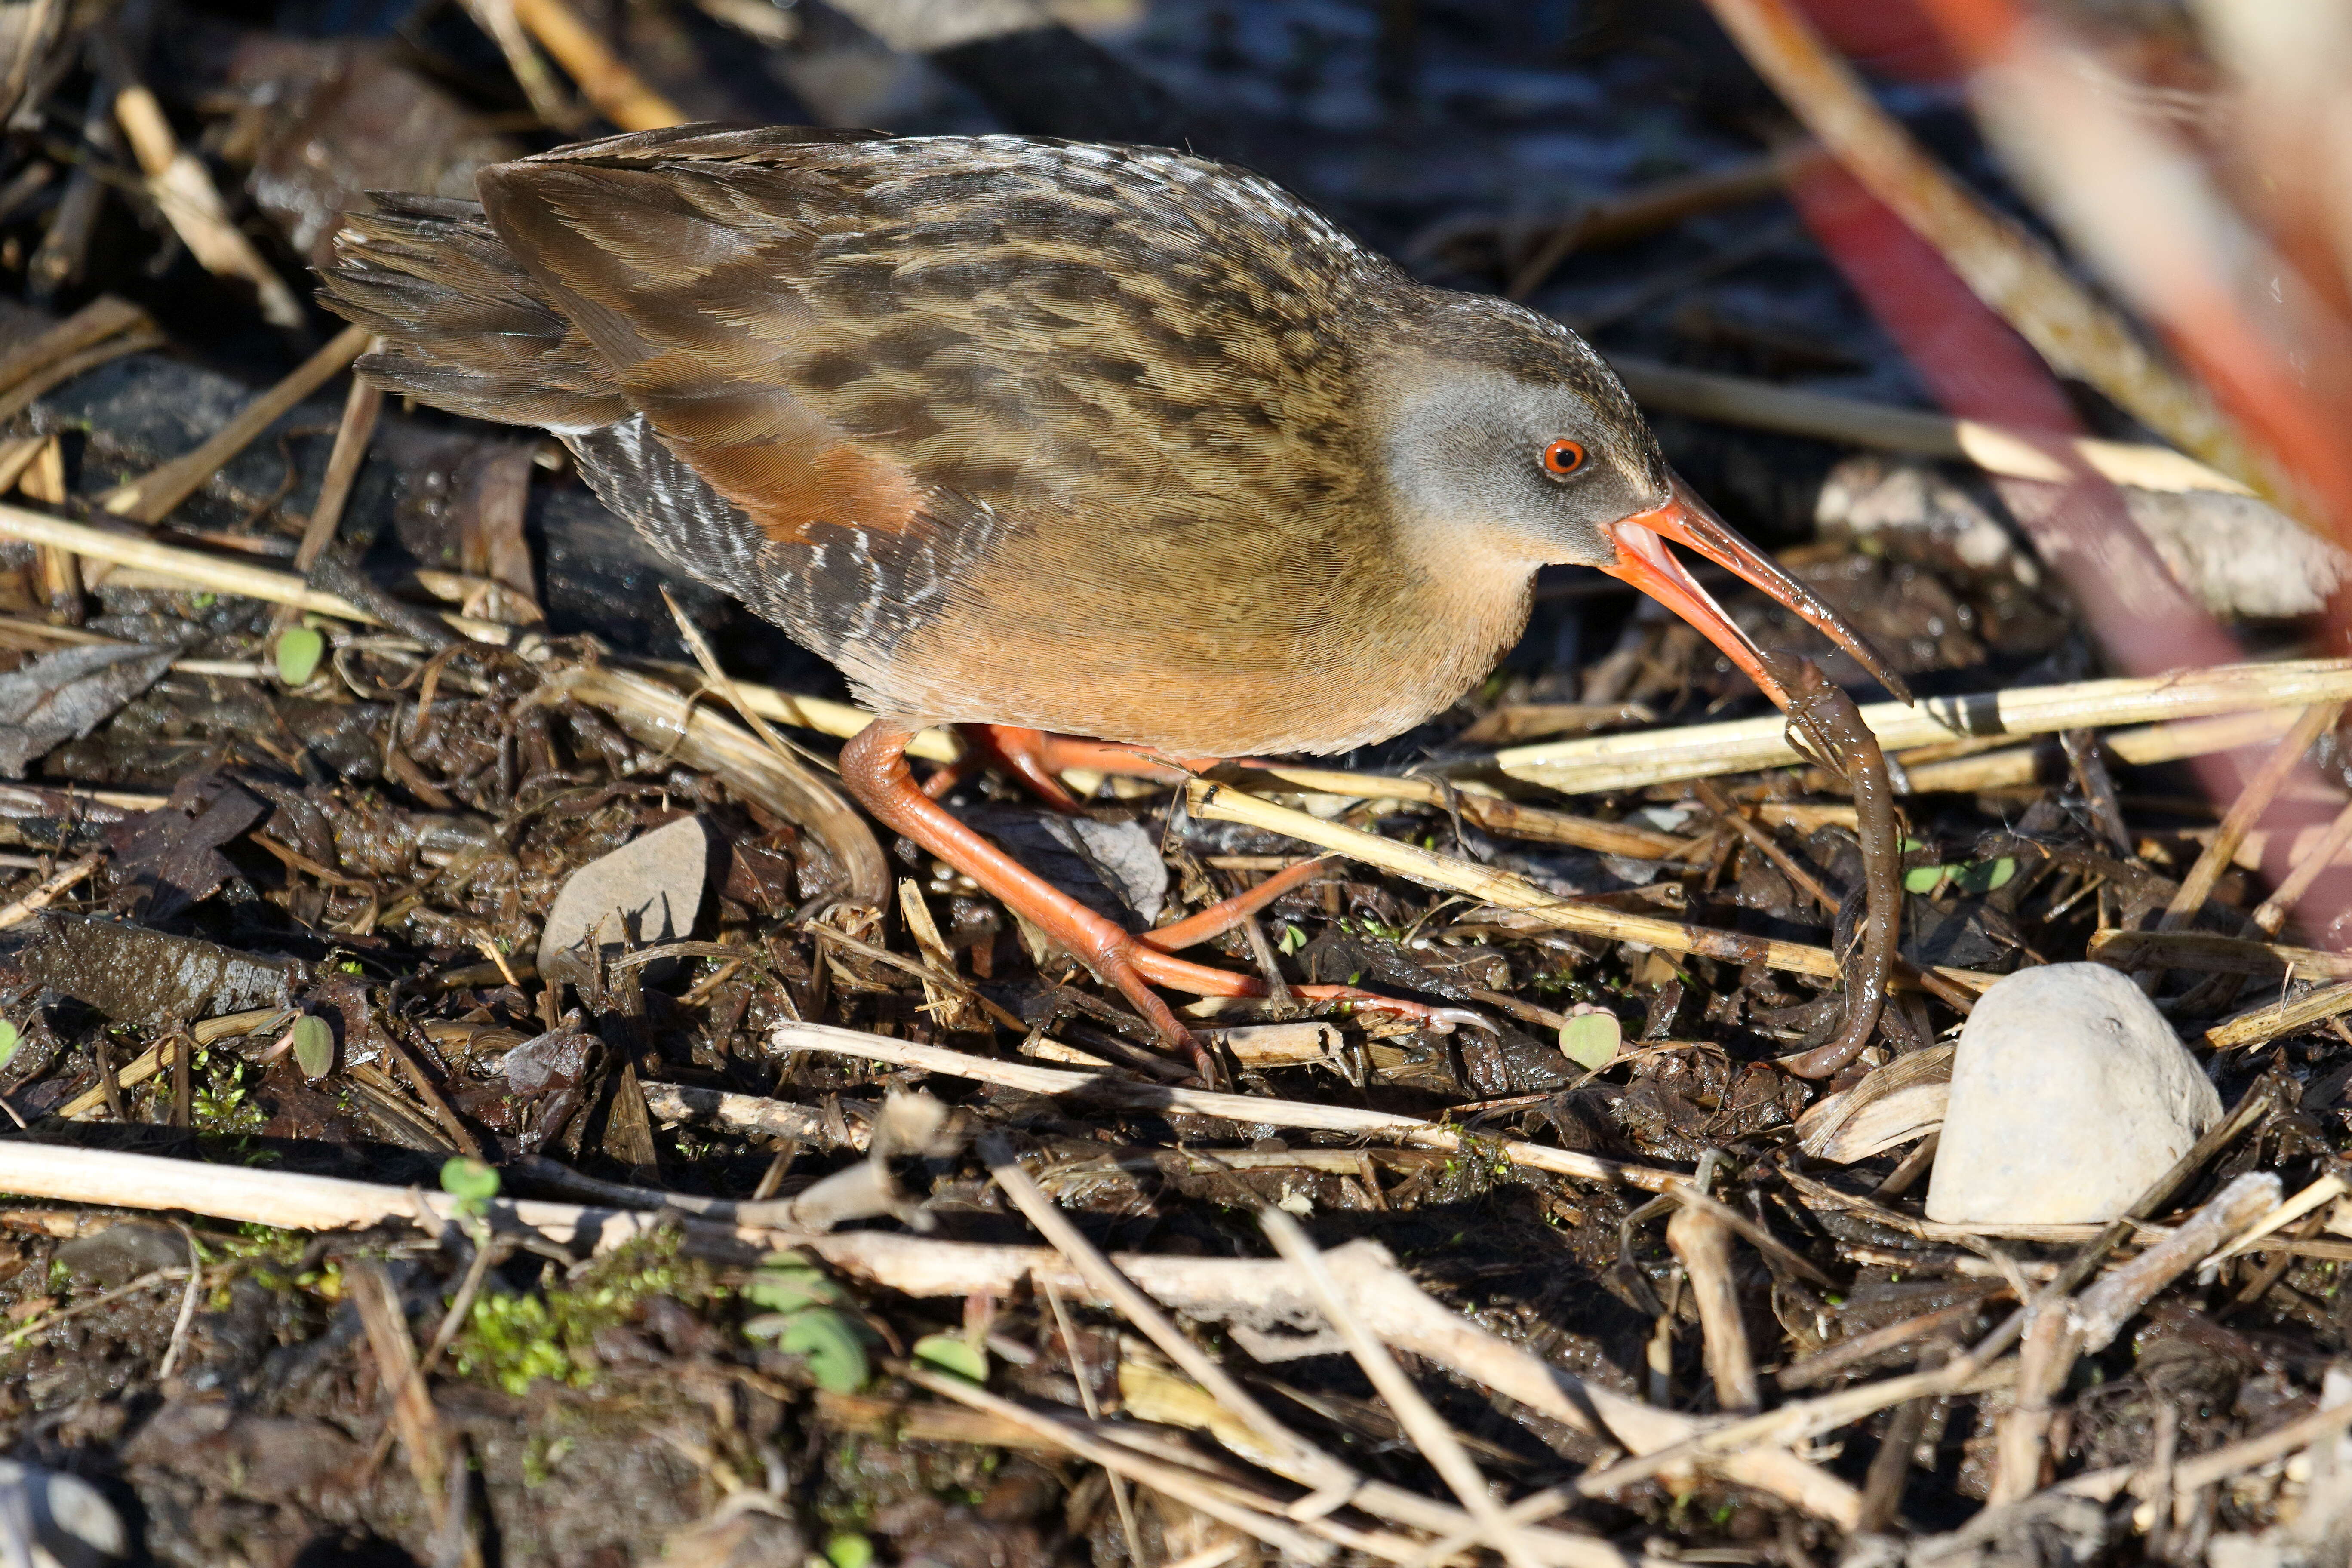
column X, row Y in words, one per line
column 849, row 1550
column 298, row 651
column 314, row 1046
column 1293, row 939
column 9, row 1040
column 829, row 1342
column 788, row 1282
column 791, row 1291
column 1591, row 1039
column 470, row 1179
column 953, row 1355
column 1911, row 843
column 1986, row 875
column 1925, row 879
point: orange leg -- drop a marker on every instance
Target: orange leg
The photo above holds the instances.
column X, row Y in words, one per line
column 1226, row 913
column 1036, row 758
column 874, row 767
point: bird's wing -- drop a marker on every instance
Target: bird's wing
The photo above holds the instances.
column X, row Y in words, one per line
column 892, row 355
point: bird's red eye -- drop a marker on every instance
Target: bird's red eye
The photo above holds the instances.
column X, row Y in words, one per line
column 1561, row 459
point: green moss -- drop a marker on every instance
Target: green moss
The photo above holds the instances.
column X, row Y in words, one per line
column 541, row 1457
column 514, row 1340
column 260, row 1243
column 222, row 1102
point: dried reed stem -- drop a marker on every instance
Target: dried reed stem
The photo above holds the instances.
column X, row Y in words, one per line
column 2244, row 812
column 151, row 497
column 604, row 79
column 2140, row 746
column 1257, row 1516
column 184, row 189
column 1478, row 803
column 2058, row 1332
column 548, row 99
column 1104, row 1090
column 1661, row 756
column 2262, row 1024
column 102, row 319
column 1703, row 1242
column 1396, row 1309
column 39, row 382
column 2308, row 859
column 659, row 716
column 28, row 904
column 1110, row 1285
column 1429, row 1433
column 1222, row 803
column 361, row 406
column 193, row 568
column 2211, row 954
column 2007, row 268
column 838, row 720
column 2013, row 454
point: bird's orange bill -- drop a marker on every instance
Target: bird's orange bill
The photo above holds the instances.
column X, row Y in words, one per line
column 1644, row 561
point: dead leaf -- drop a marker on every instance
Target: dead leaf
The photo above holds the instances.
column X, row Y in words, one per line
column 169, row 858
column 65, row 695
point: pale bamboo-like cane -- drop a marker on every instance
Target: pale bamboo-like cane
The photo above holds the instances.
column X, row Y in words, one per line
column 1663, row 756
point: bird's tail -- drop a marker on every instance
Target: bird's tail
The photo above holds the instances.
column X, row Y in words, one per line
column 464, row 327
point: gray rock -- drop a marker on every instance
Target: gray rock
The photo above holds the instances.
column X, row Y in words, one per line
column 121, row 1253
column 49, row 1519
column 2069, row 1095
column 644, row 892
column 2239, row 555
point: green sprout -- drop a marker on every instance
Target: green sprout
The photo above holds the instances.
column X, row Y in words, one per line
column 1591, row 1040
column 953, row 1355
column 299, row 648
column 314, row 1046
column 469, row 1181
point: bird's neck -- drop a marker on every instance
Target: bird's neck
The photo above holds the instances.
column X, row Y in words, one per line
column 1471, row 589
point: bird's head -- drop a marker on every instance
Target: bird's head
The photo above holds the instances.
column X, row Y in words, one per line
column 1506, row 433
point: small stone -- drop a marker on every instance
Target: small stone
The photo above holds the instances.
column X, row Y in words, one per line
column 644, row 892
column 121, row 1253
column 2069, row 1096
column 51, row 1519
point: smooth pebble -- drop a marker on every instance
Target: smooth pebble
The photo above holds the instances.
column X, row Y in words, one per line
column 2071, row 1095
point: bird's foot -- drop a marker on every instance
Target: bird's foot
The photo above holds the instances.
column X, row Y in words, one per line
column 1227, row 913
column 1132, row 965
column 1037, row 758
column 874, row 766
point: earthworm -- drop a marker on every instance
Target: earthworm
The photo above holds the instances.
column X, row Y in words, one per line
column 1826, row 717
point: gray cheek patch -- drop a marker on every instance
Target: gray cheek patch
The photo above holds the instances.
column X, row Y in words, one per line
column 1466, row 451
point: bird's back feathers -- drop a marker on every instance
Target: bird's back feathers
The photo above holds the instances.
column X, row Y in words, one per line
column 918, row 397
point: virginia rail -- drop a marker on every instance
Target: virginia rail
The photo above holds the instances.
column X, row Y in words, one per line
column 1035, row 436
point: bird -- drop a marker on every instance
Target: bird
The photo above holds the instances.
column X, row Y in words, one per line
column 1044, row 439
